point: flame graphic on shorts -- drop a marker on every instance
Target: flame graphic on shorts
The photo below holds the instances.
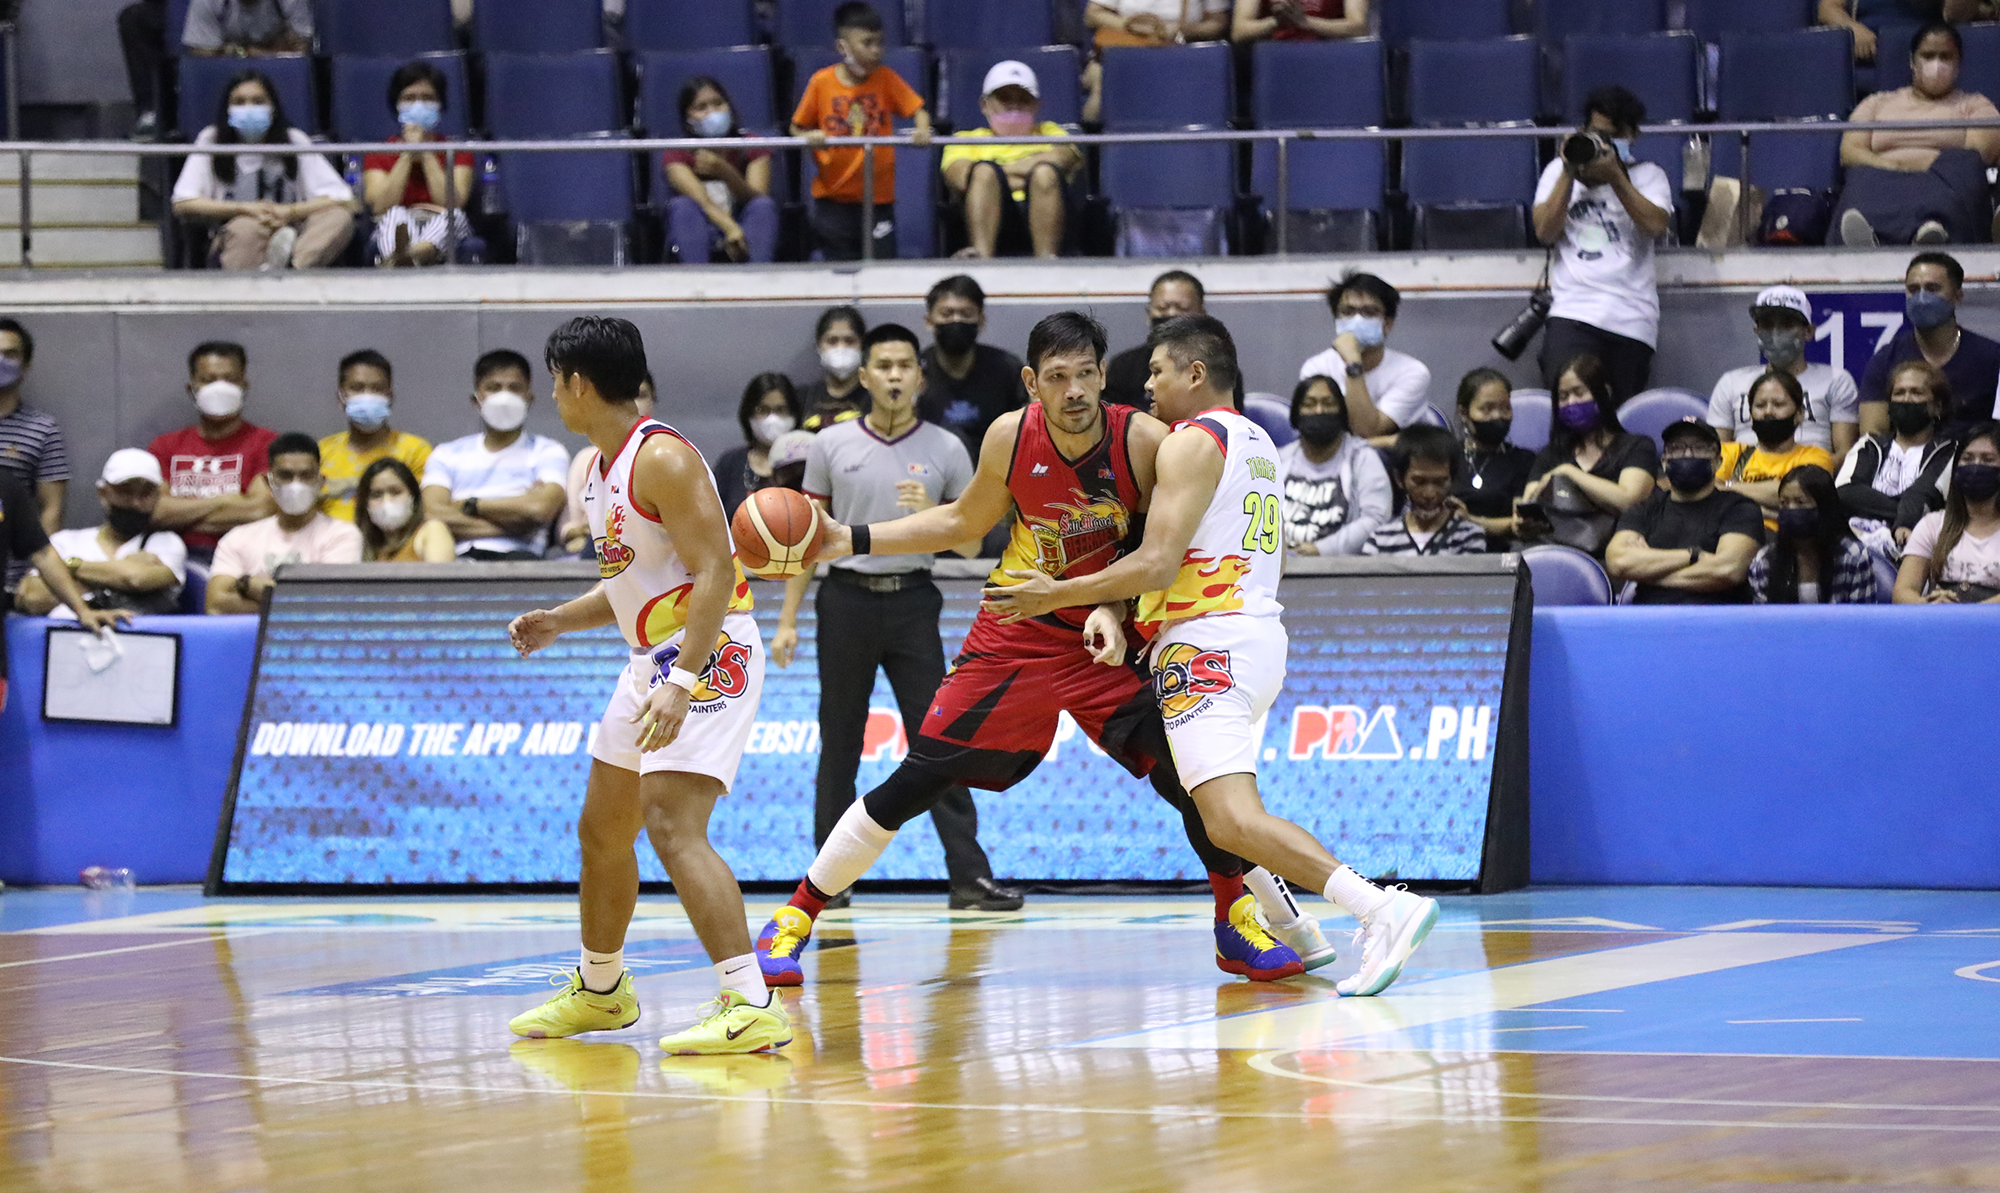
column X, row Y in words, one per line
column 1203, row 585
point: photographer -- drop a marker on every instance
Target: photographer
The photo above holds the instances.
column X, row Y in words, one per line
column 1602, row 211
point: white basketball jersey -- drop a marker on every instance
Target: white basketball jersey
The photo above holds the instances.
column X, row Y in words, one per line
column 1233, row 564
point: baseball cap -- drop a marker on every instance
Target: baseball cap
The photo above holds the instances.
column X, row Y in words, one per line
column 131, row 464
column 792, row 447
column 1787, row 298
column 1691, row 428
column 1011, row 74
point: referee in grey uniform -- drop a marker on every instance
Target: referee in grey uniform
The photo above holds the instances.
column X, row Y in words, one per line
column 882, row 610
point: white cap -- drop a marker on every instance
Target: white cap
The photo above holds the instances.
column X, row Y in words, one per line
column 131, row 464
column 1011, row 74
column 791, row 448
column 1789, row 298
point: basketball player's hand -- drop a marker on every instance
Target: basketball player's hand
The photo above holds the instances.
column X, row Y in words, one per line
column 914, row 496
column 783, row 643
column 1033, row 596
column 836, row 539
column 1104, row 635
column 659, row 719
column 533, row 631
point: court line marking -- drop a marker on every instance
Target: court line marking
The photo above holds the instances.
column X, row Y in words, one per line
column 1739, row 1022
column 136, row 948
column 1977, row 972
column 1172, row 1112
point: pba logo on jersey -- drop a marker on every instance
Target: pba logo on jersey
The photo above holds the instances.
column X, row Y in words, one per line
column 1185, row 675
column 726, row 676
column 613, row 556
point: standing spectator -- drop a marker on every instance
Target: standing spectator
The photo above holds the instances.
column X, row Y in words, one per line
column 498, row 489
column 1386, row 390
column 1174, row 293
column 1889, row 482
column 31, row 444
column 1011, row 195
column 1427, row 464
column 1496, row 471
column 392, row 522
column 855, row 97
column 1777, row 404
column 1593, row 470
column 1145, row 23
column 142, row 36
column 215, row 468
column 21, row 537
column 576, row 523
column 1298, row 20
column 366, row 392
column 967, row 384
column 1932, row 288
column 125, row 563
column 769, row 408
column 1953, row 556
column 274, row 210
column 1692, row 543
column 248, row 558
column 1336, row 490
column 247, row 28
column 1815, row 559
column 418, row 210
column 1867, row 18
column 724, row 198
column 836, row 394
column 1782, row 319
column 881, row 611
column 1603, row 219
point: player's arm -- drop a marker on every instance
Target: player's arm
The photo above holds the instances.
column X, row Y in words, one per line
column 943, row 527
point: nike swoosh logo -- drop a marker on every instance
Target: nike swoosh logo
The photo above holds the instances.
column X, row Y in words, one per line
column 733, row 1034
column 612, row 1010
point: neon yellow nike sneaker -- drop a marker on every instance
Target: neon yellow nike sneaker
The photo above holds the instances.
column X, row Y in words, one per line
column 732, row 1024
column 575, row 1010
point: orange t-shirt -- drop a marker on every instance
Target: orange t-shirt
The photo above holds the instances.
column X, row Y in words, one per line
column 869, row 110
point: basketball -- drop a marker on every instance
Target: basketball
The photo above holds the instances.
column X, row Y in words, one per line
column 776, row 531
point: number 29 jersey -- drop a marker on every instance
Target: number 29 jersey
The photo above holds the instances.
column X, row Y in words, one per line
column 1234, row 561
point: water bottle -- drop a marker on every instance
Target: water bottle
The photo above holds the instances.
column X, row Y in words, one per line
column 354, row 173
column 106, row 878
column 490, row 200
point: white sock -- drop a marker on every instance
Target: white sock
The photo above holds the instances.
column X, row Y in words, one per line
column 1280, row 909
column 853, row 845
column 601, row 971
column 742, row 975
column 1354, row 894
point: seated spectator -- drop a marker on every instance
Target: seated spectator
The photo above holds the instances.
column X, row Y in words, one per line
column 1336, row 490
column 1815, row 558
column 21, row 537
column 1593, row 470
column 125, row 563
column 1691, row 543
column 1298, row 20
column 31, row 443
column 967, row 384
column 1921, row 186
column 418, row 210
column 1782, row 319
column 788, row 460
column 1889, row 482
column 392, row 522
column 836, row 394
column 1932, row 288
column 367, row 392
column 248, row 558
column 498, row 489
column 1866, row 18
column 1386, row 390
column 769, row 408
column 1145, row 23
column 215, row 468
column 1496, row 471
column 1011, row 195
column 1953, row 556
column 275, row 211
column 247, row 28
column 725, row 194
column 1777, row 404
column 1173, row 294
column 576, row 523
column 1427, row 465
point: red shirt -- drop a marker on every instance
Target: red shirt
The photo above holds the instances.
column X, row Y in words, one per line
column 198, row 467
column 1325, row 10
column 418, row 188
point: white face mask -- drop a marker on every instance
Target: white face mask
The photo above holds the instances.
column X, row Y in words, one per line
column 767, row 427
column 842, row 362
column 219, row 399
column 504, row 410
column 296, row 497
column 390, row 514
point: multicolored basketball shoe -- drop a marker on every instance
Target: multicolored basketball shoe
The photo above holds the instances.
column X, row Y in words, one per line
column 732, row 1024
column 1244, row 948
column 1386, row 939
column 575, row 1010
column 780, row 945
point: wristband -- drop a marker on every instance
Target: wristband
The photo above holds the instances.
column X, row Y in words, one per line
column 1694, row 556
column 862, row 540
column 683, row 679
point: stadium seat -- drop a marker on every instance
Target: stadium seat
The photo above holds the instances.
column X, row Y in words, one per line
column 569, row 208
column 1556, row 21
column 745, row 72
column 975, row 24
column 1170, row 87
column 203, row 81
column 1273, row 413
column 1662, row 69
column 911, row 62
column 1432, row 416
column 1404, row 21
column 961, row 73
column 1806, row 75
column 809, row 23
column 361, row 97
column 537, row 26
column 553, row 95
column 1892, row 58
column 381, row 28
column 1171, row 198
column 1533, row 410
column 194, row 593
column 1981, row 64
column 662, row 25
column 1708, row 20
column 1471, row 193
column 1651, row 412
column 1885, row 578
column 1327, row 180
column 1566, row 576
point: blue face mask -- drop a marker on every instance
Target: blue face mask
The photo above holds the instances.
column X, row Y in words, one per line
column 10, row 373
column 712, row 123
column 422, row 113
column 1366, row 329
column 367, row 412
column 1624, row 147
column 1928, row 309
column 251, row 121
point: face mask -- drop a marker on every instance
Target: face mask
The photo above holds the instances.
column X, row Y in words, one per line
column 842, row 362
column 1623, row 146
column 1979, row 482
column 367, row 412
column 1320, row 430
column 296, row 497
column 1580, row 416
column 1928, row 310
column 127, row 523
column 422, row 113
column 1690, row 474
column 503, row 410
column 1910, row 418
column 1798, row 524
column 1782, row 348
column 1773, row 431
column 767, row 427
column 251, row 121
column 712, row 123
column 1491, row 432
column 1935, row 76
column 219, row 399
column 956, row 339
column 390, row 514
column 10, row 372
column 1366, row 329
column 1011, row 123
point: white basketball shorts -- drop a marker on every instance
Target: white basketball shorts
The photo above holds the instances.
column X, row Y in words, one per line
column 1215, row 677
column 721, row 712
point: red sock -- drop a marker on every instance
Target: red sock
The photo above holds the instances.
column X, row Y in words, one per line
column 811, row 900
column 1228, row 889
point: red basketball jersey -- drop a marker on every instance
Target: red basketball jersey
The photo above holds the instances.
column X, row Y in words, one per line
column 1076, row 516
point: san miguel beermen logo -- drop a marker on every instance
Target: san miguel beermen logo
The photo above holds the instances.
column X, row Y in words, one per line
column 613, row 556
column 726, row 676
column 1184, row 676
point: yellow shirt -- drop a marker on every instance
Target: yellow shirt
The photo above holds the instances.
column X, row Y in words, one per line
column 342, row 467
column 1769, row 466
column 1004, row 154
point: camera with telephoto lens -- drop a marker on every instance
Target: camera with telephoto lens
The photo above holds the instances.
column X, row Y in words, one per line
column 1512, row 340
column 1585, row 146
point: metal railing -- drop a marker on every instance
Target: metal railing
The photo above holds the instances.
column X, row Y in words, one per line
column 26, row 151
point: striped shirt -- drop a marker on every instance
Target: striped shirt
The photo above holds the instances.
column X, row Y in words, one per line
column 31, row 447
column 1459, row 535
